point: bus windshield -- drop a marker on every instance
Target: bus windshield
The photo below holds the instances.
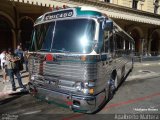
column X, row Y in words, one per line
column 72, row 35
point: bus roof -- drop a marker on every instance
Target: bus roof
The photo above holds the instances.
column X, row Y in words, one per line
column 122, row 32
column 68, row 13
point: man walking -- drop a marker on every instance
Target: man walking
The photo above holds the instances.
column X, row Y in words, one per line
column 19, row 53
column 13, row 62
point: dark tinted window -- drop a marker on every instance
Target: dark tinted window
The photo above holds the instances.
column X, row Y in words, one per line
column 74, row 35
column 42, row 36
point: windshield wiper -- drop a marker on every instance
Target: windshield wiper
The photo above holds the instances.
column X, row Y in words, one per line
column 44, row 50
column 61, row 51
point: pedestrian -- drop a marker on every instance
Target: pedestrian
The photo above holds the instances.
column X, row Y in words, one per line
column 26, row 56
column 13, row 62
column 19, row 53
column 3, row 66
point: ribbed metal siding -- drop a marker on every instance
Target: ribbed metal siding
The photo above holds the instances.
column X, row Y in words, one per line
column 73, row 71
column 64, row 75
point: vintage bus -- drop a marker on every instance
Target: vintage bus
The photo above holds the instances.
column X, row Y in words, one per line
column 79, row 56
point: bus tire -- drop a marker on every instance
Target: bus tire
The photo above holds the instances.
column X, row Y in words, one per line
column 132, row 66
column 113, row 84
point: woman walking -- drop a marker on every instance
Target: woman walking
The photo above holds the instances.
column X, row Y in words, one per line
column 3, row 65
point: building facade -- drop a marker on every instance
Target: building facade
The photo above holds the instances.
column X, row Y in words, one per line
column 139, row 18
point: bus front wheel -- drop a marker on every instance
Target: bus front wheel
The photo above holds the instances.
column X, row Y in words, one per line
column 112, row 85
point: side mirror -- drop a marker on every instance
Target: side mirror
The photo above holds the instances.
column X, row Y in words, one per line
column 108, row 25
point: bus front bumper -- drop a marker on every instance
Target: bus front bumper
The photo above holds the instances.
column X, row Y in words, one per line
column 87, row 104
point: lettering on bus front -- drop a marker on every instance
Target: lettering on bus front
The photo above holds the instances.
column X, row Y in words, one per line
column 59, row 14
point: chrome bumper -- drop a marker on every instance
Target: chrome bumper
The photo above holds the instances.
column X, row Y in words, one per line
column 86, row 104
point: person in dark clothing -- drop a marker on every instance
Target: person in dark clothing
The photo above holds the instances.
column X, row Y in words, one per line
column 26, row 56
column 13, row 62
column 19, row 53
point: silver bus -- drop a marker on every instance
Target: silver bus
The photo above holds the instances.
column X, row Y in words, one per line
column 78, row 58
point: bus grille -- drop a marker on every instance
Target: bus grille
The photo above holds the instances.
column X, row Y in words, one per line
column 71, row 71
column 62, row 75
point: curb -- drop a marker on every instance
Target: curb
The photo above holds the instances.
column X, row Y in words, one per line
column 4, row 93
column 7, row 95
column 140, row 77
column 146, row 64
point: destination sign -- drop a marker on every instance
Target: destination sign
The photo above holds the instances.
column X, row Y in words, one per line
column 58, row 14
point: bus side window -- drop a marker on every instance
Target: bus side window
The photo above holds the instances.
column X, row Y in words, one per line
column 119, row 42
column 127, row 47
column 112, row 44
column 108, row 44
column 106, row 38
column 105, row 41
column 119, row 45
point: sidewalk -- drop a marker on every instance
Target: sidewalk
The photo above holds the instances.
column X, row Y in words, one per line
column 140, row 72
column 147, row 63
column 6, row 88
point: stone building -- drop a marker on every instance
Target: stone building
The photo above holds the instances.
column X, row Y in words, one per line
column 139, row 18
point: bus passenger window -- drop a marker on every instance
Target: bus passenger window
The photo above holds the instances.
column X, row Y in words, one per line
column 107, row 37
column 112, row 44
column 105, row 42
column 119, row 43
column 127, row 45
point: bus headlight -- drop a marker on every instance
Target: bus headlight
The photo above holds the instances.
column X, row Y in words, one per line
column 82, row 87
column 79, row 86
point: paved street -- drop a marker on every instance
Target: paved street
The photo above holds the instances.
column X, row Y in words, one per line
column 66, row 43
column 136, row 96
column 6, row 87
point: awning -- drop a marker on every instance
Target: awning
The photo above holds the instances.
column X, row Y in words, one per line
column 131, row 16
column 45, row 3
column 111, row 12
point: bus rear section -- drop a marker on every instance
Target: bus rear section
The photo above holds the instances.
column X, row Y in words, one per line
column 74, row 61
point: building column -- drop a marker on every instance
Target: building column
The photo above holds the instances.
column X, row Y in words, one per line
column 141, row 46
column 149, row 47
column 145, row 47
column 14, row 38
column 19, row 36
column 159, row 49
column 124, row 45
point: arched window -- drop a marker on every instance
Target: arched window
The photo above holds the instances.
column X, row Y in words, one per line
column 5, row 34
column 26, row 26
